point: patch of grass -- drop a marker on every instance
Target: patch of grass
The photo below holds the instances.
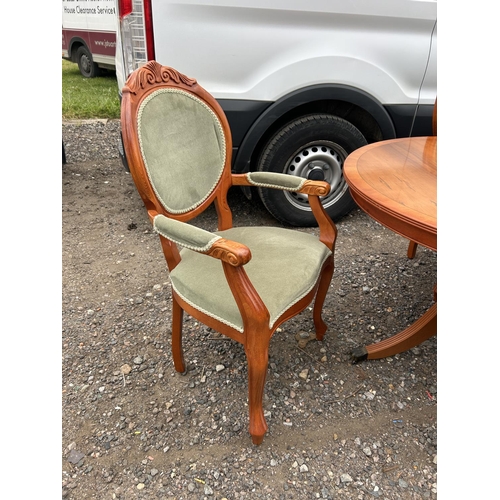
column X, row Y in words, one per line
column 85, row 98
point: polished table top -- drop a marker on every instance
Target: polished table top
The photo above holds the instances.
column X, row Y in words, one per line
column 395, row 182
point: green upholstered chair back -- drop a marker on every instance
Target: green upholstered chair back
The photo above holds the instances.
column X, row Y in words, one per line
column 183, row 148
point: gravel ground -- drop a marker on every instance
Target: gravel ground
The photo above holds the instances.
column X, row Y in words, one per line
column 133, row 428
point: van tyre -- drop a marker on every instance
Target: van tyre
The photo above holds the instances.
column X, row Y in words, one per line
column 314, row 147
column 88, row 68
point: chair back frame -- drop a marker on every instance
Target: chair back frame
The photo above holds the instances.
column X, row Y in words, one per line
column 138, row 87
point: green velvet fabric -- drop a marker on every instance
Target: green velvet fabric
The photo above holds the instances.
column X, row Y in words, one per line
column 184, row 234
column 284, row 267
column 275, row 180
column 183, row 148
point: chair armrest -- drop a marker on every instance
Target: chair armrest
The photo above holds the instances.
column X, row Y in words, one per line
column 282, row 181
column 199, row 240
column 314, row 189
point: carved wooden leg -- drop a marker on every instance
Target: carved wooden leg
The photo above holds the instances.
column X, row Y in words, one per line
column 257, row 351
column 424, row 328
column 412, row 249
column 177, row 354
column 324, row 284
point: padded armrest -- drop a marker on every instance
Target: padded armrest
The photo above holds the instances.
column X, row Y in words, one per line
column 285, row 182
column 185, row 235
column 201, row 241
column 275, row 180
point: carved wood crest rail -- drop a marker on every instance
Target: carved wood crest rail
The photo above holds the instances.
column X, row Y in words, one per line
column 153, row 73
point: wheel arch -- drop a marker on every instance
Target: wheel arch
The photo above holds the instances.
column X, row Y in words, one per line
column 74, row 45
column 354, row 105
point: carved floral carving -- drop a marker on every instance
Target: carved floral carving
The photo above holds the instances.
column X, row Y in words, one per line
column 314, row 188
column 236, row 256
column 153, row 73
column 225, row 255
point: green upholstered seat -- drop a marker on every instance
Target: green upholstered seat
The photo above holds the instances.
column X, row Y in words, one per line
column 285, row 266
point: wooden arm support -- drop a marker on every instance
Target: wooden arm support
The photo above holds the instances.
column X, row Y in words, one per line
column 232, row 252
column 314, row 189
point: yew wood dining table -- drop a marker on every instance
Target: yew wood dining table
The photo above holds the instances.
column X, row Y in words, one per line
column 395, row 183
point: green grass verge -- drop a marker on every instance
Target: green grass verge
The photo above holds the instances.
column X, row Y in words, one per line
column 85, row 98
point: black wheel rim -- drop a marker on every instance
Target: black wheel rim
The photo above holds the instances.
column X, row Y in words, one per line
column 85, row 64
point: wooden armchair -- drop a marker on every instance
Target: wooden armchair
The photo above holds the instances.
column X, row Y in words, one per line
column 241, row 281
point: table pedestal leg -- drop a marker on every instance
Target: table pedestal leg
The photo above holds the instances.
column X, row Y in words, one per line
column 424, row 328
column 412, row 250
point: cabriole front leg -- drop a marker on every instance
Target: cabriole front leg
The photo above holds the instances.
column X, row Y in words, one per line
column 324, row 284
column 177, row 354
column 257, row 359
column 257, row 335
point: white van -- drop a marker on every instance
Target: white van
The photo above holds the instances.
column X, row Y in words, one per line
column 89, row 35
column 302, row 82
